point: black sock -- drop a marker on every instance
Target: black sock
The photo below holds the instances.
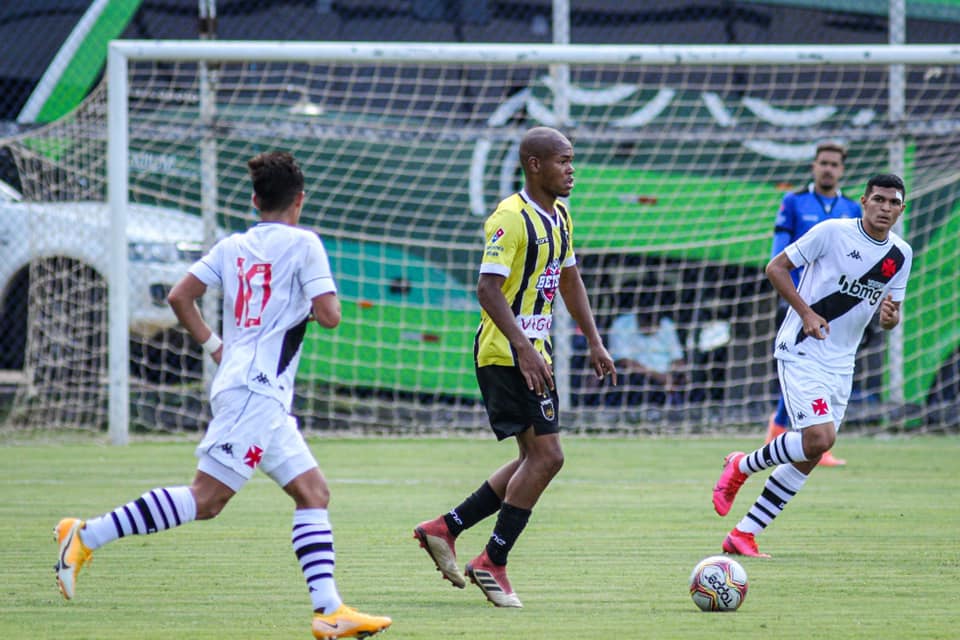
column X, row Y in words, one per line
column 510, row 524
column 481, row 503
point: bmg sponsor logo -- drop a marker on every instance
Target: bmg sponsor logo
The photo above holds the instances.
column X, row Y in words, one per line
column 861, row 290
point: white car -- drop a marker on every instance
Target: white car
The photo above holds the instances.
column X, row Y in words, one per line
column 67, row 242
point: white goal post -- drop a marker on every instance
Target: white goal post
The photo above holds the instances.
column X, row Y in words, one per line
column 755, row 94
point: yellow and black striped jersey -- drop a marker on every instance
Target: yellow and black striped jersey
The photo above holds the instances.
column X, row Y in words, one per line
column 529, row 247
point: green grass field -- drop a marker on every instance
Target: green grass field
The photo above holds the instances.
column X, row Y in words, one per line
column 867, row 551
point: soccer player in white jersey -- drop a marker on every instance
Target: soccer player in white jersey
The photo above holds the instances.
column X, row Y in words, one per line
column 274, row 277
column 853, row 268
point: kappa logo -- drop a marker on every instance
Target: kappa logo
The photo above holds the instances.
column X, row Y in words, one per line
column 783, row 347
column 262, row 379
column 801, row 415
column 855, row 255
column 227, row 448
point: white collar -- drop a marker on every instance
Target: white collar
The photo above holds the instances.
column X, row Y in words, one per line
column 553, row 217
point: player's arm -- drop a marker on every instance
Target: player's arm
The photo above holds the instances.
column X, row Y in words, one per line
column 778, row 272
column 889, row 313
column 183, row 300
column 783, row 226
column 534, row 368
column 578, row 304
column 326, row 309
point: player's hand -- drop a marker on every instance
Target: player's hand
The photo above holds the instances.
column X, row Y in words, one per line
column 816, row 326
column 602, row 364
column 889, row 313
column 535, row 370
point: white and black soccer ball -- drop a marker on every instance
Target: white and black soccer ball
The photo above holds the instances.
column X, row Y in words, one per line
column 718, row 583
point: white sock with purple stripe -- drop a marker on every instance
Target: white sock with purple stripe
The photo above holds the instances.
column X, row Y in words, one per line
column 783, row 484
column 312, row 540
column 785, row 448
column 156, row 510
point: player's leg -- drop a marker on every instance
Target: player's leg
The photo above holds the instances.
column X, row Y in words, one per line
column 289, row 462
column 438, row 536
column 786, row 481
column 541, row 459
column 783, row 484
column 786, row 448
column 533, row 419
column 778, row 424
column 219, row 476
column 156, row 510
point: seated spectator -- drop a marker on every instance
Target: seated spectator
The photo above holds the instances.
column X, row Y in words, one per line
column 646, row 349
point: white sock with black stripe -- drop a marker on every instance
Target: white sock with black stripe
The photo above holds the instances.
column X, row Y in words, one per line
column 156, row 510
column 312, row 540
column 785, row 448
column 782, row 485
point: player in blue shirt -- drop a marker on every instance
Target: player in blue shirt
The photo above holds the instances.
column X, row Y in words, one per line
column 799, row 212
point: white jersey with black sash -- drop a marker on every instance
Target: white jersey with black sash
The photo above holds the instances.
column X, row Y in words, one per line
column 846, row 275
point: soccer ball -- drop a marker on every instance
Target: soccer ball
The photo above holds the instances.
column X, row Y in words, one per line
column 718, row 583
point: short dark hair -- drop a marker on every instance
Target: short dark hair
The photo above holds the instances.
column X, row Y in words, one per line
column 835, row 147
column 276, row 178
column 886, row 181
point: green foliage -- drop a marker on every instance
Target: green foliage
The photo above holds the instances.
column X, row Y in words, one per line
column 865, row 551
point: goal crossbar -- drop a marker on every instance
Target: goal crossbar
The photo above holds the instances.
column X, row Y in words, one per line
column 233, row 51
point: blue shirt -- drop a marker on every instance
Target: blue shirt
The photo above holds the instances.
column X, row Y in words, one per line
column 657, row 350
column 800, row 210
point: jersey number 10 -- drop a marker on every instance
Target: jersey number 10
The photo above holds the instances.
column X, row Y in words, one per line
column 253, row 293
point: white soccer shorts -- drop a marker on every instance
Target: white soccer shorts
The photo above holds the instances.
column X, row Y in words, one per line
column 250, row 431
column 813, row 395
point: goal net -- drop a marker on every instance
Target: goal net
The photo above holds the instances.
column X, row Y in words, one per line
column 683, row 155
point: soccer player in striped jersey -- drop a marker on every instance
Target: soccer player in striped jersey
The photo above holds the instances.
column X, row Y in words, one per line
column 821, row 200
column 853, row 269
column 274, row 277
column 528, row 258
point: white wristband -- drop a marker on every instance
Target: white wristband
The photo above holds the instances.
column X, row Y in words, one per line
column 212, row 343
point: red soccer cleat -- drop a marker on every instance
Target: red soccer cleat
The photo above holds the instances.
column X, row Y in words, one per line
column 435, row 538
column 741, row 543
column 492, row 580
column 731, row 479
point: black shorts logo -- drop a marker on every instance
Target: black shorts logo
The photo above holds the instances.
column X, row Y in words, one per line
column 547, row 409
